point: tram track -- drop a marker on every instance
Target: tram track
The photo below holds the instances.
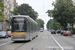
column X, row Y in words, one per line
column 35, row 47
column 13, row 45
column 21, row 45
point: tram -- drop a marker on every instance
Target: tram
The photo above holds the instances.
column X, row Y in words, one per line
column 23, row 28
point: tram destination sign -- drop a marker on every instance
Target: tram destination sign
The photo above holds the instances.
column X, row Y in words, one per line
column 19, row 19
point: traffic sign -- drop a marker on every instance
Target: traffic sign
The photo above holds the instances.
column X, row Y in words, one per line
column 68, row 26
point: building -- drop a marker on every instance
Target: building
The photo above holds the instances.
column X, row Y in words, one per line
column 15, row 4
column 9, row 6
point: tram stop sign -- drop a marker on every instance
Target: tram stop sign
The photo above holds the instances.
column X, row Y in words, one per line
column 68, row 26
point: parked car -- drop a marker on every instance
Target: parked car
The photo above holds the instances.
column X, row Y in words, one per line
column 62, row 32
column 72, row 31
column 3, row 34
column 9, row 33
column 53, row 32
column 58, row 31
column 67, row 33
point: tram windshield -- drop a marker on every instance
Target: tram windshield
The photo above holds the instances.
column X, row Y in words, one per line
column 19, row 25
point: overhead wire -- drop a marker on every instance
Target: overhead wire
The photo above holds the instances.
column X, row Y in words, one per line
column 43, row 6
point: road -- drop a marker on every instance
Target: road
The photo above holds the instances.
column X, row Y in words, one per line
column 4, row 41
column 44, row 41
column 67, row 42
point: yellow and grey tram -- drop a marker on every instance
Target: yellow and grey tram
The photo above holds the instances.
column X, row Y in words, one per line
column 23, row 28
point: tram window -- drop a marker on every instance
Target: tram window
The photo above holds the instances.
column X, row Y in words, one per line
column 31, row 27
column 19, row 27
column 28, row 26
column 34, row 27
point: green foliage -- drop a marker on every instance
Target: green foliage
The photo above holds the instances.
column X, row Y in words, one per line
column 63, row 12
column 40, row 23
column 25, row 9
column 10, row 18
column 2, row 19
column 1, row 0
column 1, row 11
column 53, row 24
column 15, row 12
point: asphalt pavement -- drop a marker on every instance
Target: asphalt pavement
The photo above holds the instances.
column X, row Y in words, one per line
column 67, row 42
column 44, row 41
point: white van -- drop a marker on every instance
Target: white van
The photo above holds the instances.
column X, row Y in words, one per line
column 41, row 30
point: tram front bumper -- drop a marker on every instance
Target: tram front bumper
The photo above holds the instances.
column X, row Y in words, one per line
column 19, row 38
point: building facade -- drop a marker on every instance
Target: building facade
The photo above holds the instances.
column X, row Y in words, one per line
column 9, row 6
column 15, row 4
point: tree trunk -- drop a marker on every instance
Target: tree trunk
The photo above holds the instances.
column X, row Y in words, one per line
column 72, row 26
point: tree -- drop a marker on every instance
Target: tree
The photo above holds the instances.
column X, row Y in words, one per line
column 63, row 12
column 53, row 24
column 1, row 11
column 25, row 9
column 15, row 11
column 40, row 23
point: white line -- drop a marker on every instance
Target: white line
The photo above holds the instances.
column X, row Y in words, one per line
column 5, row 43
column 57, row 43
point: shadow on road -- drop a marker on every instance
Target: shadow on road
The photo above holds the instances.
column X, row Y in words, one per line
column 21, row 41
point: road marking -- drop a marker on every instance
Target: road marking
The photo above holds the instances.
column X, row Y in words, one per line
column 52, row 47
column 5, row 43
column 44, row 37
column 35, row 46
column 57, row 42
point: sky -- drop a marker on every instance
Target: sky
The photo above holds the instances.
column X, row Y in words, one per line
column 40, row 6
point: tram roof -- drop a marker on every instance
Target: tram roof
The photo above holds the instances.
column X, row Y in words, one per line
column 26, row 17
